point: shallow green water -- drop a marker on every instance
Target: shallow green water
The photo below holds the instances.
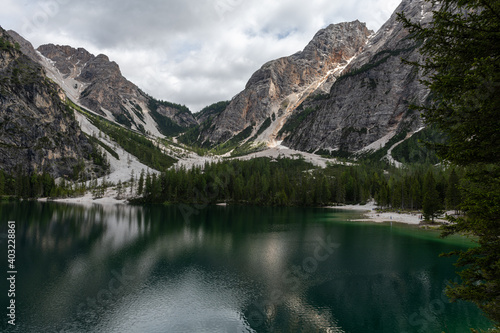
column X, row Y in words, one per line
column 225, row 269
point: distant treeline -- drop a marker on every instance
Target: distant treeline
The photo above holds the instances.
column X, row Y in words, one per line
column 278, row 182
column 287, row 182
column 32, row 185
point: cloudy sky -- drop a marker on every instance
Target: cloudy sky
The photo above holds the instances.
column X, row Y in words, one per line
column 190, row 52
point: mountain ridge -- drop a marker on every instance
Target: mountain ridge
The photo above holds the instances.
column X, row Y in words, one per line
column 106, row 91
column 345, row 91
column 96, row 83
column 274, row 89
column 362, row 99
column 371, row 100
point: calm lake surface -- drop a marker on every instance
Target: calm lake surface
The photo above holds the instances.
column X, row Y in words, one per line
column 225, row 269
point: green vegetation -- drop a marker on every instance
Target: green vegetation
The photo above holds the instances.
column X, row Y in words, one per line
column 287, row 182
column 212, row 110
column 138, row 114
column 191, row 136
column 233, row 142
column 319, row 97
column 136, row 108
column 99, row 160
column 103, row 145
column 383, row 55
column 124, row 120
column 416, row 149
column 21, row 72
column 338, row 154
column 295, row 120
column 430, row 204
column 462, row 64
column 166, row 125
column 23, row 185
column 265, row 125
column 5, row 45
column 247, row 148
column 134, row 143
column 347, row 131
column 379, row 154
column 86, row 92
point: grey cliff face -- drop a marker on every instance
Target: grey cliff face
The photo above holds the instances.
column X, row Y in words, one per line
column 280, row 85
column 372, row 99
column 37, row 132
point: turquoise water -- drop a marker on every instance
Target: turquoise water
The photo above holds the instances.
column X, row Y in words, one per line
column 225, row 269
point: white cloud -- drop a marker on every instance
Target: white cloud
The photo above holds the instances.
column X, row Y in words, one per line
column 188, row 52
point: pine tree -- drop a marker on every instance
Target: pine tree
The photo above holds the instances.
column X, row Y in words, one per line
column 461, row 60
column 431, row 197
column 453, row 196
column 147, row 185
column 140, row 187
column 155, row 187
column 132, row 182
column 2, row 182
column 119, row 190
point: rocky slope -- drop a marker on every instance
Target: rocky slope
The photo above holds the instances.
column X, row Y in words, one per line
column 274, row 91
column 347, row 90
column 370, row 102
column 98, row 84
column 37, row 132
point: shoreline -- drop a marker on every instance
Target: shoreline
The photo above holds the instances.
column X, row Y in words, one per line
column 370, row 215
column 88, row 200
column 368, row 210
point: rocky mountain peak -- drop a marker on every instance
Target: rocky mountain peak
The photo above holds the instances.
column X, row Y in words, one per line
column 336, row 42
column 369, row 103
column 280, row 86
column 97, row 83
column 103, row 58
column 100, row 67
column 68, row 60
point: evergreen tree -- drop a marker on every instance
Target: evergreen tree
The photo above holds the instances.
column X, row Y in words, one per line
column 140, row 187
column 461, row 52
column 453, row 197
column 2, row 182
column 431, row 197
column 132, row 182
column 35, row 186
column 155, row 187
column 19, row 182
column 147, row 185
column 340, row 194
column 119, row 190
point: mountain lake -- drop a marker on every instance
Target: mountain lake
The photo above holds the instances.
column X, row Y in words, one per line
column 146, row 269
